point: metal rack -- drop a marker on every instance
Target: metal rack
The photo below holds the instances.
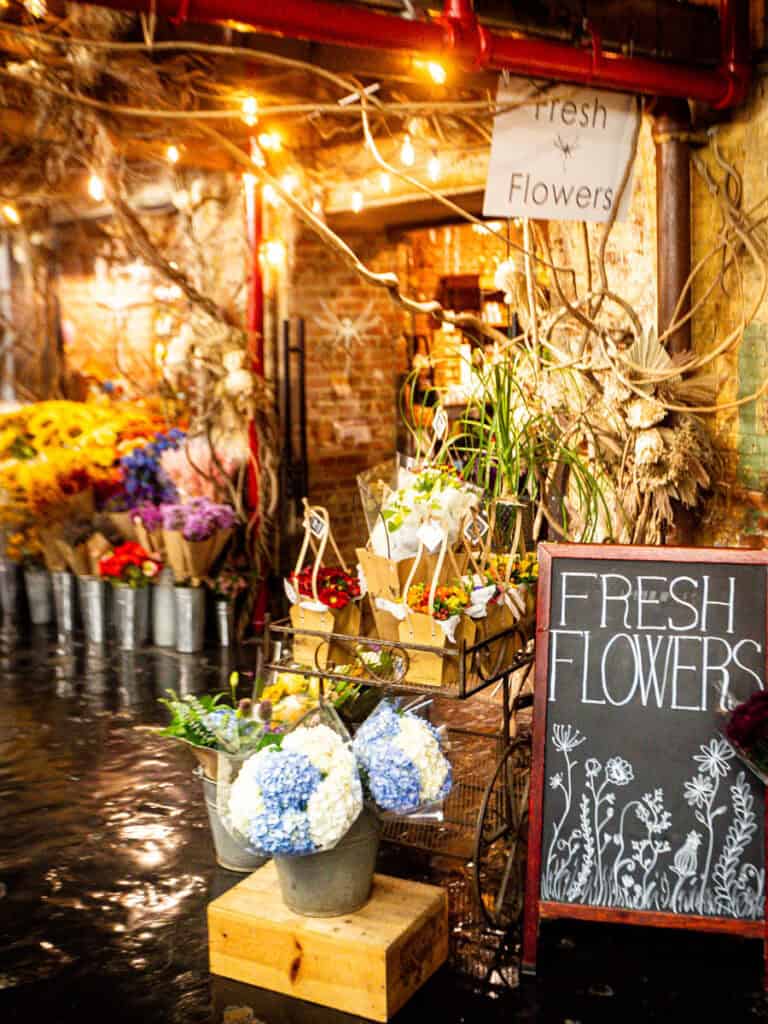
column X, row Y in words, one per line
column 484, row 818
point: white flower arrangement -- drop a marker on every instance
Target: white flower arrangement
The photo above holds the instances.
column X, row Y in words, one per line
column 301, row 798
column 432, row 504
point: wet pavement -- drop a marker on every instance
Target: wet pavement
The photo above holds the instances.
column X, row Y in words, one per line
column 106, row 868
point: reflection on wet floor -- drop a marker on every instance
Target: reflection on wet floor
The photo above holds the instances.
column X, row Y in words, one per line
column 106, row 868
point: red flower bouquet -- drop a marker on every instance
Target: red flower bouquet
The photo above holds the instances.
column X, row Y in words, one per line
column 335, row 588
column 129, row 565
column 747, row 731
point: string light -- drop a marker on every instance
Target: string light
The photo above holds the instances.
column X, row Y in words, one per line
column 433, row 167
column 386, row 182
column 290, row 182
column 269, row 194
column 10, row 213
column 172, row 154
column 357, row 201
column 407, row 153
column 250, row 110
column 437, row 72
column 96, row 188
column 271, row 141
column 274, row 253
column 37, row 8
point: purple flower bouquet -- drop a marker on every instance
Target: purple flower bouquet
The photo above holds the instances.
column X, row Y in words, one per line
column 195, row 534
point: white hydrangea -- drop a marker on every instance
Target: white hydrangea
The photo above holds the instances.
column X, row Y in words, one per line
column 245, row 799
column 320, row 744
column 336, row 804
column 420, row 746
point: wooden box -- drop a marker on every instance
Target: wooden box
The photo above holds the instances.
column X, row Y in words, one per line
column 368, row 963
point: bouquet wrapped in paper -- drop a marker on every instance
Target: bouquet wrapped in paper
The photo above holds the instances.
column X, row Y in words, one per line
column 147, row 523
column 82, row 543
column 194, row 536
column 323, row 599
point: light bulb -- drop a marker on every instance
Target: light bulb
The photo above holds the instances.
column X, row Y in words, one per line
column 271, row 141
column 250, row 110
column 96, row 188
column 433, row 167
column 269, row 194
column 357, row 201
column 385, row 181
column 290, row 182
column 407, row 153
column 437, row 72
column 10, row 213
column 172, row 154
column 37, row 8
column 317, row 206
column 274, row 253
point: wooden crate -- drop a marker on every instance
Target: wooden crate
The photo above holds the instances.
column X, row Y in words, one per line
column 368, row 963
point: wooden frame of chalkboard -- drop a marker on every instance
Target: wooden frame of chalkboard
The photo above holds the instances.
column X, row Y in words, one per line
column 607, row 780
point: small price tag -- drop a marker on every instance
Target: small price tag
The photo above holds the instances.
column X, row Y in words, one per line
column 440, row 423
column 317, row 526
column 290, row 592
column 476, row 529
column 410, row 463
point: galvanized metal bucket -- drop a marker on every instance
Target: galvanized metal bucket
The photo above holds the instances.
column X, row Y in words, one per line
column 9, row 589
column 335, row 882
column 229, row 854
column 190, row 619
column 163, row 611
column 93, row 608
column 131, row 610
column 225, row 622
column 37, row 583
column 64, row 600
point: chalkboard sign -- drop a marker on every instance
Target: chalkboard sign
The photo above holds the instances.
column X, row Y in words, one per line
column 640, row 810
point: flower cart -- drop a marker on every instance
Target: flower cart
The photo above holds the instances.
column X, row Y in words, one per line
column 484, row 820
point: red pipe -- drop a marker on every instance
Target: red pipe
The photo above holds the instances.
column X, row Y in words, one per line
column 457, row 35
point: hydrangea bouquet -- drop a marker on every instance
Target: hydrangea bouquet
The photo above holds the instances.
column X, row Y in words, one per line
column 402, row 760
column 300, row 797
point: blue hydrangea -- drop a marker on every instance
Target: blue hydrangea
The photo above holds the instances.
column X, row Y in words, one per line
column 287, row 780
column 382, row 724
column 392, row 777
column 281, row 833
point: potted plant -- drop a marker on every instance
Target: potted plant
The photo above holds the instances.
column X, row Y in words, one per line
column 208, row 727
column 226, row 586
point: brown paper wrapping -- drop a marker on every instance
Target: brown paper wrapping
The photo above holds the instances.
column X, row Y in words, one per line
column 192, row 560
column 306, row 649
column 54, row 559
column 125, row 524
column 151, row 540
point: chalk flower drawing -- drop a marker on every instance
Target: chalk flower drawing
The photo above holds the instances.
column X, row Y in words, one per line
column 605, row 853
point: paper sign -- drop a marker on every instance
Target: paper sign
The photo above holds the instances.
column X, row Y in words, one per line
column 317, row 526
column 476, row 529
column 559, row 154
column 440, row 423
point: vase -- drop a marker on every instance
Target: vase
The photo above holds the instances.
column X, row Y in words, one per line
column 229, row 853
column 131, row 610
column 337, row 881
column 190, row 619
column 225, row 622
column 64, row 601
column 9, row 589
column 37, row 583
column 164, row 611
column 93, row 608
